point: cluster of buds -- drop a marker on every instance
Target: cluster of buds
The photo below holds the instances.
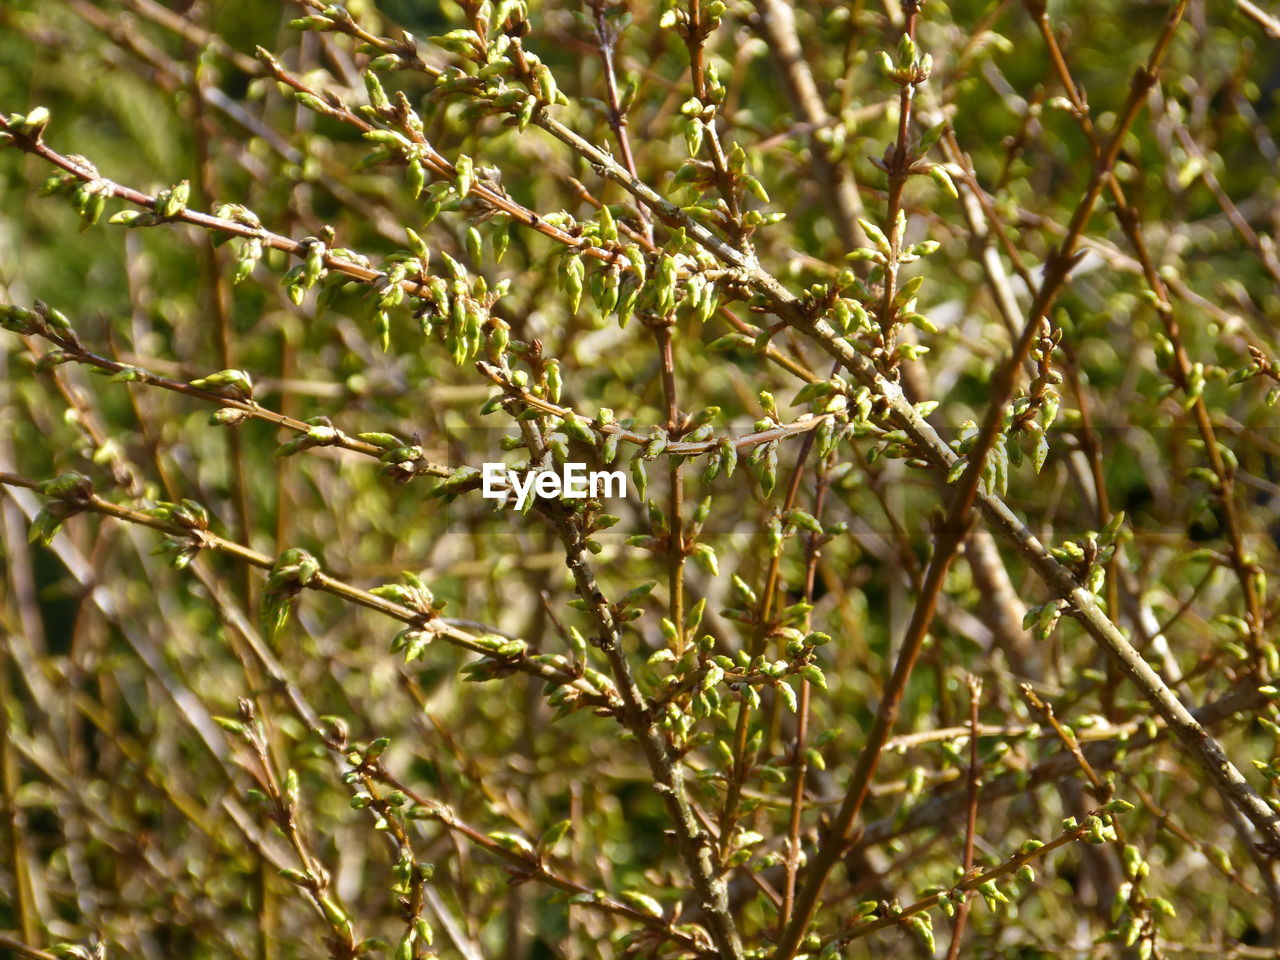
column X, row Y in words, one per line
column 233, row 384
column 332, row 15
column 1260, row 365
column 320, row 433
column 679, row 21
column 88, row 193
column 180, row 549
column 39, row 319
column 28, row 126
column 910, row 67
column 294, row 570
column 69, row 494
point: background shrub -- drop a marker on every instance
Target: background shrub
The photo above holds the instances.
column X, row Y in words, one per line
column 936, row 343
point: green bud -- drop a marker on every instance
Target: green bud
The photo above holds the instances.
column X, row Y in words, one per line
column 463, row 174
